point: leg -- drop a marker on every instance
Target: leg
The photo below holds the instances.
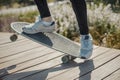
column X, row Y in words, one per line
column 43, row 9
column 79, row 7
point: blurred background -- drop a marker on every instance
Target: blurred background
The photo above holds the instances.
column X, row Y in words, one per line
column 103, row 18
column 18, row 3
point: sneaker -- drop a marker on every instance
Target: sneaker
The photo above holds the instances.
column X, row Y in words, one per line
column 86, row 46
column 39, row 26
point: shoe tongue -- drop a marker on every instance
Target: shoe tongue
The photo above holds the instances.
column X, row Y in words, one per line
column 86, row 37
column 47, row 23
column 52, row 23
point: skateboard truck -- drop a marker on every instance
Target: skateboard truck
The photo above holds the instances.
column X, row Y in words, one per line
column 67, row 58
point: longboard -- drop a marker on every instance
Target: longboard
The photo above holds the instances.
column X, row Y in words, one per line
column 52, row 40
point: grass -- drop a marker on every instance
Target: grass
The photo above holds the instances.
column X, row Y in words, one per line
column 6, row 20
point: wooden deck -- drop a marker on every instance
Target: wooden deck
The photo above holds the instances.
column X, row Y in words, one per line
column 27, row 60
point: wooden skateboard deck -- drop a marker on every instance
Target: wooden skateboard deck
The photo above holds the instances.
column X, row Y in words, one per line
column 52, row 40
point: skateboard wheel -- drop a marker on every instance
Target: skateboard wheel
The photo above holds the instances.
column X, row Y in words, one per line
column 65, row 59
column 13, row 37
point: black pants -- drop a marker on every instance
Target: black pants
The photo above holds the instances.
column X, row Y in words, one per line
column 79, row 7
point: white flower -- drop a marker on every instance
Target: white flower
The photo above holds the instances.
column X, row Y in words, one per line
column 64, row 15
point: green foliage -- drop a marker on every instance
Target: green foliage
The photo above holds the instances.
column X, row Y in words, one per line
column 115, row 4
column 23, row 2
column 5, row 20
column 112, row 2
column 106, row 35
column 10, row 3
column 70, row 33
column 4, row 2
column 29, row 16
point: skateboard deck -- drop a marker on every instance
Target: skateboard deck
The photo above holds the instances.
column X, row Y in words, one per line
column 52, row 40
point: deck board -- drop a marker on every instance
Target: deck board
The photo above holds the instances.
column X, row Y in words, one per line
column 64, row 67
column 103, row 71
column 24, row 58
column 114, row 76
column 84, row 68
column 41, row 67
column 16, row 48
column 37, row 62
column 5, row 40
column 24, row 55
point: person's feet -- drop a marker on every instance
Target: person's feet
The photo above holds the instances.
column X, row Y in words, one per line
column 86, row 46
column 39, row 26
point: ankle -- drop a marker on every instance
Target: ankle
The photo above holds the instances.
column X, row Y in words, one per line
column 85, row 37
column 47, row 19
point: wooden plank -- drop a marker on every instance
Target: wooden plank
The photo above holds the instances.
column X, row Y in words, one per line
column 51, row 68
column 95, row 54
column 16, row 48
column 84, row 68
column 25, row 56
column 113, row 76
column 35, row 66
column 46, row 74
column 54, row 64
column 58, row 60
column 4, row 35
column 14, row 43
column 101, row 72
column 76, row 64
column 51, row 72
column 35, row 62
column 5, row 38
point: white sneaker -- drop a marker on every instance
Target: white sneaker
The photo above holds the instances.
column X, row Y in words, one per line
column 86, row 46
column 39, row 26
